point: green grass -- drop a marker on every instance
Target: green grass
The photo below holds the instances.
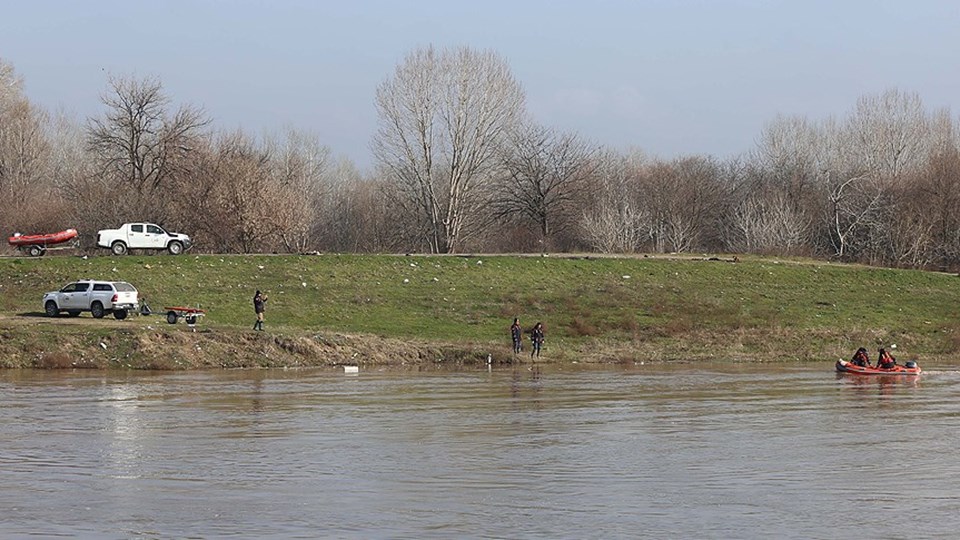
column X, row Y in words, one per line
column 676, row 304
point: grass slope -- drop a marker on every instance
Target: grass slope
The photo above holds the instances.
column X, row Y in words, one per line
column 594, row 309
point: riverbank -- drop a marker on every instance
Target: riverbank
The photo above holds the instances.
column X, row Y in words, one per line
column 150, row 343
column 369, row 310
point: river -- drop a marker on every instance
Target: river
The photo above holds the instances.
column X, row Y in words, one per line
column 717, row 451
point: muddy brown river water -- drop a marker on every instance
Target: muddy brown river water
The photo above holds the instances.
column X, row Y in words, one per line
column 720, row 451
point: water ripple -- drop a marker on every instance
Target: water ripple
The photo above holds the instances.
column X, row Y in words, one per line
column 648, row 452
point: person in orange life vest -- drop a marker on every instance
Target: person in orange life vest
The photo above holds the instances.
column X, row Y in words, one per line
column 885, row 361
column 861, row 358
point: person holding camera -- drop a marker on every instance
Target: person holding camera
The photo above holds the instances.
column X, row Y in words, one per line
column 259, row 306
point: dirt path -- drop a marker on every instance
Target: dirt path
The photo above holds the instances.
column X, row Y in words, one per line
column 27, row 319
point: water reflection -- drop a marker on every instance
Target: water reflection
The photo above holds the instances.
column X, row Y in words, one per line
column 123, row 445
column 880, row 385
column 525, row 386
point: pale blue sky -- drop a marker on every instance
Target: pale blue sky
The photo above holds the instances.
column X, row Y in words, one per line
column 669, row 77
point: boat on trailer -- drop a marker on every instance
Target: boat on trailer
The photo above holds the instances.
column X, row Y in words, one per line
column 35, row 245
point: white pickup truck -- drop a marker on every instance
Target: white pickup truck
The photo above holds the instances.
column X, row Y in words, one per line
column 97, row 297
column 142, row 236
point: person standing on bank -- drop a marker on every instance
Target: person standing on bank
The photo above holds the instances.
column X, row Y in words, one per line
column 536, row 339
column 516, row 333
column 259, row 306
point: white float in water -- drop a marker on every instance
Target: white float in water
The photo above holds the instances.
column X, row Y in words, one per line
column 351, row 369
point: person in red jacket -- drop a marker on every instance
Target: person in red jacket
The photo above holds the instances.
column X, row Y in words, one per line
column 886, row 361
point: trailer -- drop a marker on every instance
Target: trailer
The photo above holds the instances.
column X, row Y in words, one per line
column 190, row 315
column 35, row 245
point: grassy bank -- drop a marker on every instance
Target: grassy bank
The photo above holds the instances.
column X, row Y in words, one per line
column 334, row 309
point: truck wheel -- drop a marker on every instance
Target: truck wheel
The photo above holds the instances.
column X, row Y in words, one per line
column 96, row 309
column 118, row 248
column 51, row 308
column 120, row 314
column 175, row 248
column 172, row 317
column 35, row 251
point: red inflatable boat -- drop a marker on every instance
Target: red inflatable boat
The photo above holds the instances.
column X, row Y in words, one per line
column 36, row 244
column 910, row 368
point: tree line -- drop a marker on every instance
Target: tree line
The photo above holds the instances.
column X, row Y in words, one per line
column 461, row 166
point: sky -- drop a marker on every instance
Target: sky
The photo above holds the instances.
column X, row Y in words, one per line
column 668, row 77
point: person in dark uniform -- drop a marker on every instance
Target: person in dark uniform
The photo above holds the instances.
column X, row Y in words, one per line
column 536, row 339
column 861, row 358
column 259, row 306
column 516, row 333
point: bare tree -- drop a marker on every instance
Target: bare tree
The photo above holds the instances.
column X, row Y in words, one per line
column 891, row 132
column 543, row 173
column 138, row 143
column 847, row 172
column 299, row 163
column 683, row 198
column 442, row 117
column 11, row 85
column 244, row 198
column 856, row 202
column 935, row 197
column 768, row 223
column 614, row 222
column 353, row 215
column 26, row 186
column 908, row 237
column 24, row 148
column 82, row 201
column 790, row 156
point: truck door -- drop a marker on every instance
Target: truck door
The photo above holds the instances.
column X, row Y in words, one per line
column 66, row 295
column 76, row 296
column 136, row 237
column 156, row 236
